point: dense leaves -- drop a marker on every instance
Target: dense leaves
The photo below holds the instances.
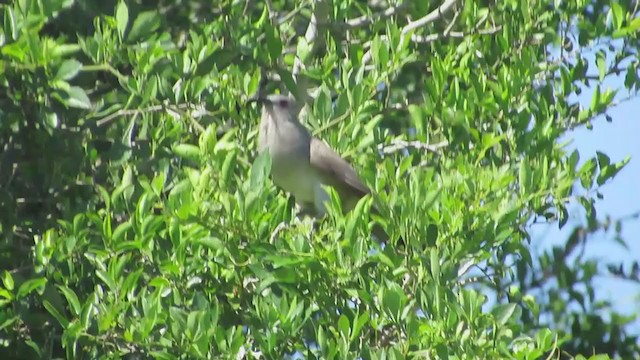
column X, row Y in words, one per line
column 138, row 220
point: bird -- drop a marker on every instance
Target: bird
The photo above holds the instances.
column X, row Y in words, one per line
column 302, row 164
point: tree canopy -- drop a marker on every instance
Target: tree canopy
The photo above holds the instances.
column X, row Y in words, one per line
column 138, row 221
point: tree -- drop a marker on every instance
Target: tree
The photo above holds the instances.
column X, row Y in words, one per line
column 139, row 222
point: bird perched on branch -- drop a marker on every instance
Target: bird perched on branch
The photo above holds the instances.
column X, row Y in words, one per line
column 301, row 164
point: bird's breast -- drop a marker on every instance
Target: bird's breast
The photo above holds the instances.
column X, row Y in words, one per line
column 291, row 170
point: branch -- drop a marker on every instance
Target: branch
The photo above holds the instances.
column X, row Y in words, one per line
column 106, row 67
column 452, row 34
column 174, row 111
column 412, row 25
column 430, row 17
column 368, row 20
column 319, row 15
column 400, row 145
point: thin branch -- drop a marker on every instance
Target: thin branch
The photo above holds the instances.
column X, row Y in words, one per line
column 175, row 111
column 365, row 20
column 247, row 5
column 452, row 34
column 290, row 15
column 109, row 118
column 312, row 37
column 272, row 13
column 400, row 145
column 105, row 67
column 430, row 17
column 318, row 15
column 447, row 30
column 412, row 25
column 281, row 226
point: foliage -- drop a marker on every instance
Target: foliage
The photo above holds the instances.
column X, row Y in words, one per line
column 138, row 221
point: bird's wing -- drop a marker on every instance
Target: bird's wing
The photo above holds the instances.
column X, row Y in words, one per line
column 334, row 170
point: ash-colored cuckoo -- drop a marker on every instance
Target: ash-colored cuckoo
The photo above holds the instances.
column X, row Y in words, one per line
column 301, row 164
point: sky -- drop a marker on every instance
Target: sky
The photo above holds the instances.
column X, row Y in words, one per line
column 618, row 139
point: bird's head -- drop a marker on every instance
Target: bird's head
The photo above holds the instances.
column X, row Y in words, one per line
column 276, row 105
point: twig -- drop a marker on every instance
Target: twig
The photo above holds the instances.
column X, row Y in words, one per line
column 399, row 145
column 447, row 30
column 269, row 5
column 319, row 16
column 430, row 17
column 109, row 118
column 365, row 20
column 281, row 226
column 290, row 15
column 412, row 25
column 310, row 34
column 331, row 123
column 198, row 111
column 106, row 67
column 453, row 34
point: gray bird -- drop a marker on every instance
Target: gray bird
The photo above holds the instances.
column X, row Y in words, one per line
column 301, row 163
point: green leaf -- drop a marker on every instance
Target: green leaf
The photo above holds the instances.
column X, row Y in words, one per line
column 72, row 299
column 31, row 285
column 122, row 18
column 263, row 18
column 251, row 82
column 77, row 98
column 157, row 184
column 503, row 312
column 380, row 52
column 107, row 279
column 563, row 216
column 11, row 28
column 435, row 263
column 227, row 169
column 51, row 120
column 565, row 80
column 146, row 23
column 631, row 77
column 120, row 231
column 601, row 62
column 595, row 99
column 603, row 160
column 618, row 15
column 608, row 171
column 634, row 25
column 274, row 44
column 162, row 355
column 85, row 314
column 287, row 79
column 260, row 170
column 56, row 314
column 393, row 301
column 303, row 50
column 524, row 177
column 8, row 321
column 587, row 172
column 187, row 151
column 218, row 59
column 360, row 322
column 210, row 242
column 7, row 280
column 343, row 326
column 130, row 283
column 68, row 69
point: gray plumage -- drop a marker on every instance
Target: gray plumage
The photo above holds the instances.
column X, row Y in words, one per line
column 301, row 163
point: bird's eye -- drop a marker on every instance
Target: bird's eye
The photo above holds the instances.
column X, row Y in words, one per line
column 284, row 103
